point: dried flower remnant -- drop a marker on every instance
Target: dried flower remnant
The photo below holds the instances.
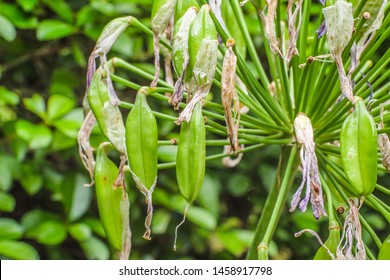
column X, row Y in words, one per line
column 269, row 23
column 310, row 177
column 293, row 27
column 103, row 45
column 351, row 237
column 85, row 149
column 162, row 13
column 373, row 14
column 339, row 29
column 229, row 96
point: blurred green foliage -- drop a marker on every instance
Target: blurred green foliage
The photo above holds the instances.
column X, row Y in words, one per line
column 46, row 212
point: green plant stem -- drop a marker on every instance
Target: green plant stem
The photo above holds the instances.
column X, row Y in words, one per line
column 168, row 165
column 288, row 163
column 383, row 189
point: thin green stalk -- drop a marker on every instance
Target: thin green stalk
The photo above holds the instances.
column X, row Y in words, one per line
column 383, row 189
column 279, row 203
column 168, row 165
column 287, row 154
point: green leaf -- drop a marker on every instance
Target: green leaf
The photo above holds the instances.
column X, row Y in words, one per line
column 59, row 105
column 160, row 222
column 62, row 141
column 7, row 30
column 7, row 202
column 77, row 198
column 53, row 29
column 95, row 225
column 32, row 219
column 27, row 5
column 80, row 231
column 95, row 249
column 6, row 164
column 78, row 54
column 31, row 180
column 17, row 250
column 70, row 124
column 51, row 233
column 10, row 229
column 236, row 241
column 17, row 17
column 36, row 104
column 8, row 97
column 36, row 135
column 209, row 194
column 61, row 8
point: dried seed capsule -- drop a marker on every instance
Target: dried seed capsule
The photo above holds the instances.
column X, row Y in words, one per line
column 182, row 7
column 191, row 154
column 358, row 148
column 141, row 142
column 108, row 197
column 108, row 116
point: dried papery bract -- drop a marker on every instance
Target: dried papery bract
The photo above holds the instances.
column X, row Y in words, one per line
column 374, row 12
column 351, row 246
column 310, row 177
column 339, row 29
column 180, row 54
column 161, row 14
column 231, row 162
column 269, row 23
column 103, row 45
column 230, row 102
column 85, row 149
column 293, row 27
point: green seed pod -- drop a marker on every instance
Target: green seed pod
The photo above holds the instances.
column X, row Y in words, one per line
column 358, row 148
column 162, row 11
column 108, row 198
column 384, row 252
column 202, row 29
column 191, row 154
column 232, row 26
column 180, row 41
column 182, row 7
column 331, row 243
column 109, row 117
column 141, row 141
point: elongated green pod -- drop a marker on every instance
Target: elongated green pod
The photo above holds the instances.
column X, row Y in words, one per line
column 358, row 148
column 202, row 28
column 191, row 155
column 108, row 116
column 232, row 27
column 182, row 7
column 181, row 29
column 331, row 243
column 384, row 252
column 141, row 141
column 108, row 198
column 162, row 11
